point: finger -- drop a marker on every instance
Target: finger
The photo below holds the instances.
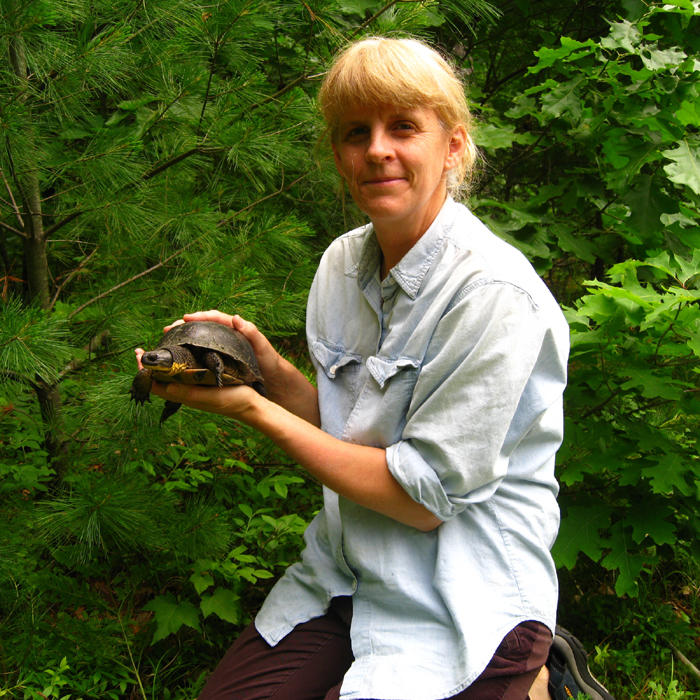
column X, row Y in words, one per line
column 139, row 354
column 211, row 315
column 261, row 345
column 179, row 322
column 248, row 328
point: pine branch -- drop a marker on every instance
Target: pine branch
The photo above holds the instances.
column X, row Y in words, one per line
column 60, row 224
column 7, row 227
column 168, row 163
column 377, row 15
column 307, row 74
column 131, row 279
column 97, row 341
column 19, row 378
column 18, row 214
column 218, row 44
column 81, row 265
column 281, row 189
column 181, row 250
column 279, row 93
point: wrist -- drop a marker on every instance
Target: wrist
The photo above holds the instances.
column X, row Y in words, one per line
column 255, row 410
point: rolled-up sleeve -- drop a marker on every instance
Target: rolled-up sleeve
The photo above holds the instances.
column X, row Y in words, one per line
column 470, row 393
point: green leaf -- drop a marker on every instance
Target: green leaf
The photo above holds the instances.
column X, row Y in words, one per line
column 647, row 202
column 170, row 616
column 626, row 561
column 685, row 168
column 656, row 59
column 668, row 475
column 687, row 7
column 223, row 603
column 201, row 581
column 653, row 523
column 492, row 136
column 623, row 35
column 689, row 113
column 579, row 533
column 652, row 385
column 570, row 49
column 575, row 243
column 564, row 99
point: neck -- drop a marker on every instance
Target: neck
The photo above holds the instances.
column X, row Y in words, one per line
column 395, row 239
column 394, row 248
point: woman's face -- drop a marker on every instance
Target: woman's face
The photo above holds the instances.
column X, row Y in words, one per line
column 395, row 161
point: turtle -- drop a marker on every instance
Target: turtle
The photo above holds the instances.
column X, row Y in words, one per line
column 198, row 352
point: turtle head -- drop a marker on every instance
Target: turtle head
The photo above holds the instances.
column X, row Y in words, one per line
column 161, row 358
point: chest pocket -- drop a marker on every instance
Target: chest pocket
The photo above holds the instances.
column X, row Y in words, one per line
column 332, row 358
column 383, row 370
column 379, row 414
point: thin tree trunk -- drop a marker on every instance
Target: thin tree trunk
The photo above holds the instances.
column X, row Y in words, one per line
column 36, row 270
column 35, row 260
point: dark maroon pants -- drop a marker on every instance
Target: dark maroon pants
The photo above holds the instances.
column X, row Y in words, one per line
column 310, row 662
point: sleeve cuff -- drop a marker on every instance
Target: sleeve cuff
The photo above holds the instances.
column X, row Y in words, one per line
column 423, row 485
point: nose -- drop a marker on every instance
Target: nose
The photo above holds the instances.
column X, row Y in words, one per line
column 380, row 148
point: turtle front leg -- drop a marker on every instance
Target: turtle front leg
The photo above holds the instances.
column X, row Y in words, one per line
column 141, row 386
column 212, row 361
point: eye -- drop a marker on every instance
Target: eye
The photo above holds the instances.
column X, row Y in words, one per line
column 404, row 126
column 355, row 133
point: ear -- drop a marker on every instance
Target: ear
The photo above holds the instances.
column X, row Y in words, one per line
column 456, row 146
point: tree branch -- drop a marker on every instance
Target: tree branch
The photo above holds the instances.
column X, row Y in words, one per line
column 685, row 660
column 62, row 223
column 376, row 15
column 94, row 343
column 19, row 378
column 168, row 163
column 179, row 251
column 13, row 229
column 18, row 214
column 130, row 280
column 81, row 265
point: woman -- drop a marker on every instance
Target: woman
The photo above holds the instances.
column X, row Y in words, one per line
column 441, row 362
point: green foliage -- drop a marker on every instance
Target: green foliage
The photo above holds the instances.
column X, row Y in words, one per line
column 165, row 156
column 611, row 125
column 54, row 681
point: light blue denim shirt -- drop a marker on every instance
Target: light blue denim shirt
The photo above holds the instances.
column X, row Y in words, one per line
column 456, row 364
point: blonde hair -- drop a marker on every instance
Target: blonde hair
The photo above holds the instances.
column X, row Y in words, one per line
column 401, row 72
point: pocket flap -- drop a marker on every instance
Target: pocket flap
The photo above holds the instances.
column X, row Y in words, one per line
column 332, row 358
column 384, row 368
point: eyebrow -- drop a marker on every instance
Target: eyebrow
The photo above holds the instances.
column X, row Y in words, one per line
column 407, row 113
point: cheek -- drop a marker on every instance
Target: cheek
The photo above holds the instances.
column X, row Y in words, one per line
column 344, row 164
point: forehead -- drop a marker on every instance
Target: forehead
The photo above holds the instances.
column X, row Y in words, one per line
column 361, row 113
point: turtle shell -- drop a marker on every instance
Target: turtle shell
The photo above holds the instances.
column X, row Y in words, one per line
column 240, row 365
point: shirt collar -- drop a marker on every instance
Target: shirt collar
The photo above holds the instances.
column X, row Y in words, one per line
column 411, row 270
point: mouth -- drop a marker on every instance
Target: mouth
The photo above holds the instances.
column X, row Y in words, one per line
column 383, row 180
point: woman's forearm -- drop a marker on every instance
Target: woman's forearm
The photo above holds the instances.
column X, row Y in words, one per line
column 357, row 472
column 289, row 388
